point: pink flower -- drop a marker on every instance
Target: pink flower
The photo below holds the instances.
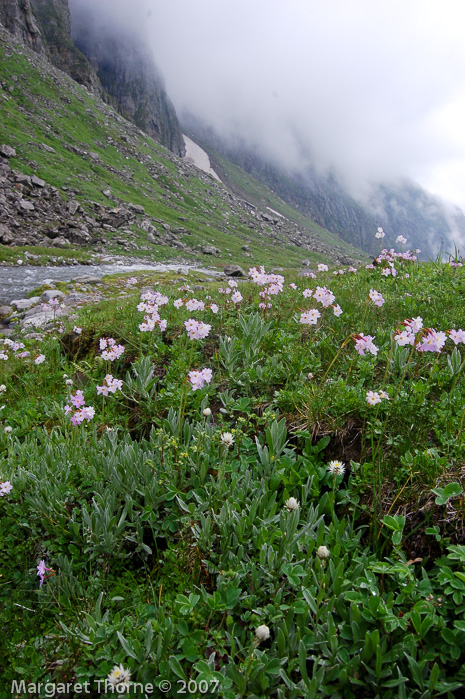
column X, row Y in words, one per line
column 41, row 570
column 236, row 297
column 457, row 336
column 373, row 398
column 214, row 308
column 307, row 293
column 337, row 310
column 310, row 317
column 77, row 399
column 293, row 286
column 432, row 341
column 322, row 267
column 77, row 330
column 199, row 378
column 178, row 303
column 5, row 488
column 364, row 343
column 196, row 330
column 376, row 297
column 405, row 338
column 39, row 359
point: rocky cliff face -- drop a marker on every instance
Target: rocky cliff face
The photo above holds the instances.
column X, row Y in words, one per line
column 18, row 18
column 54, row 20
column 128, row 73
column 102, row 58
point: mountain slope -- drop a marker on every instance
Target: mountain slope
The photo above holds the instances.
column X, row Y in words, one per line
column 123, row 191
column 402, row 208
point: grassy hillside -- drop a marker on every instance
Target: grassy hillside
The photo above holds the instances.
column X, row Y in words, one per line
column 96, row 150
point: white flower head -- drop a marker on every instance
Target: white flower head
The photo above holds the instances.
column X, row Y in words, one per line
column 227, row 439
column 292, row 504
column 322, row 552
column 207, row 412
column 119, row 678
column 262, row 633
column 337, row 468
column 8, row 429
column 2, row 388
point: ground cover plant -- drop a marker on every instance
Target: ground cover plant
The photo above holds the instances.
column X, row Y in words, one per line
column 249, row 489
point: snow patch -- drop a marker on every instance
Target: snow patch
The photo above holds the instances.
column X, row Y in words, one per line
column 197, row 156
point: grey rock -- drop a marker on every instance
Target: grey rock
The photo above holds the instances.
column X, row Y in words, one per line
column 210, row 250
column 73, row 206
column 24, row 304
column 5, row 311
column 7, row 151
column 26, row 205
column 86, row 279
column 37, row 181
column 51, row 294
column 234, row 271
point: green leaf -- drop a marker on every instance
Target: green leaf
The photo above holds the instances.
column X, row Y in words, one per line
column 127, row 648
column 445, row 494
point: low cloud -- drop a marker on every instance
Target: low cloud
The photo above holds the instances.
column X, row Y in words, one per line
column 371, row 91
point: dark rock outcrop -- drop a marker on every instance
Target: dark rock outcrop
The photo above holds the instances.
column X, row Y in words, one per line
column 129, row 75
column 18, row 18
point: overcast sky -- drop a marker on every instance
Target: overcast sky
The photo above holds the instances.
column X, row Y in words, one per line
column 372, row 88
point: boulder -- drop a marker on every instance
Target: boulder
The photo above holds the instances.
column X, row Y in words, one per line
column 210, row 250
column 24, row 304
column 234, row 271
column 7, row 151
column 49, row 294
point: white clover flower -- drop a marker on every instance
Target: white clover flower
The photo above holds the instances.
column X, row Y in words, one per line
column 119, row 678
column 292, row 504
column 262, row 633
column 337, row 468
column 227, row 439
column 322, row 552
column 207, row 412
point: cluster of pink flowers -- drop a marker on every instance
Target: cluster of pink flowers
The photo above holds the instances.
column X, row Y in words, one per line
column 110, row 385
column 310, row 317
column 5, row 487
column 412, row 328
column 196, row 330
column 454, row 264
column 322, row 267
column 41, row 570
column 324, row 296
column 376, row 297
column 199, row 378
column 149, row 304
column 431, row 341
column 364, row 343
column 194, row 305
column 81, row 411
column 273, row 283
column 374, row 397
column 110, row 350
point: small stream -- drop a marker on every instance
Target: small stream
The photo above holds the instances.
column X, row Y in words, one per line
column 16, row 282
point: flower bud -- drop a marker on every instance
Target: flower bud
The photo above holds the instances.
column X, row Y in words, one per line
column 322, row 552
column 262, row 633
column 292, row 504
column 207, row 412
